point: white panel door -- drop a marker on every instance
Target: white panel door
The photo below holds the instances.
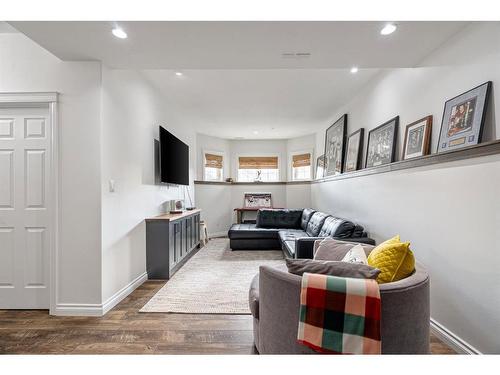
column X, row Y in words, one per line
column 24, row 208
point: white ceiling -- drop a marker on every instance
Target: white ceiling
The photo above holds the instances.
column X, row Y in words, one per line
column 235, row 80
column 241, row 45
column 280, row 103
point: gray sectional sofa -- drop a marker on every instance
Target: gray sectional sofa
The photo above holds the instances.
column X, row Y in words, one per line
column 294, row 231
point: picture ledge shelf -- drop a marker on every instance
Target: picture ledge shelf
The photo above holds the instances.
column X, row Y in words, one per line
column 482, row 149
column 200, row 182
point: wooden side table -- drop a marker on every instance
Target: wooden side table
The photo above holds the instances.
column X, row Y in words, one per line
column 241, row 210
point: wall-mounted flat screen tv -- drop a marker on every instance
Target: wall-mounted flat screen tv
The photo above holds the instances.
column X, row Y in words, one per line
column 174, row 159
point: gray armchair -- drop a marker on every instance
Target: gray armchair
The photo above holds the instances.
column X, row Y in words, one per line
column 274, row 303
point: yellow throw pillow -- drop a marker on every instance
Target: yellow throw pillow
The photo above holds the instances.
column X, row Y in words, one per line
column 394, row 259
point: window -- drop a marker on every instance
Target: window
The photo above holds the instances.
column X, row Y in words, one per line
column 214, row 170
column 301, row 166
column 258, row 168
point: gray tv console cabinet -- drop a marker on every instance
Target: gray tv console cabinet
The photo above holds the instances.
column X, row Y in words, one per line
column 171, row 239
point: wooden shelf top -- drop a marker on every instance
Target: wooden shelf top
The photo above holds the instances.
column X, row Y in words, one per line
column 174, row 217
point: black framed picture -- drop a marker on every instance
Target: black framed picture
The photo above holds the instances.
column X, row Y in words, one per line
column 417, row 138
column 353, row 153
column 320, row 166
column 335, row 146
column 463, row 119
column 382, row 143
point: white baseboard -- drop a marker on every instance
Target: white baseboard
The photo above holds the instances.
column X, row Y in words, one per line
column 451, row 339
column 74, row 309
column 116, row 298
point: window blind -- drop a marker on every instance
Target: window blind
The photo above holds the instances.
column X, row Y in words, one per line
column 258, row 162
column 302, row 160
column 213, row 161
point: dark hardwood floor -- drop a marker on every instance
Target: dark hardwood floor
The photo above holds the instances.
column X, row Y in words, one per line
column 126, row 331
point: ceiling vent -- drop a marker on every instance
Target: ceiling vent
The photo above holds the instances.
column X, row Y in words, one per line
column 296, row 55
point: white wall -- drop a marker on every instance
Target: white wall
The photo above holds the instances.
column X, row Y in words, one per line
column 132, row 110
column 26, row 67
column 449, row 212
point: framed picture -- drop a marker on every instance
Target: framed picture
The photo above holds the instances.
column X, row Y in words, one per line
column 417, row 138
column 382, row 143
column 258, row 200
column 320, row 166
column 463, row 119
column 335, row 147
column 353, row 154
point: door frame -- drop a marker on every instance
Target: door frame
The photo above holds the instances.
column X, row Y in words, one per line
column 48, row 100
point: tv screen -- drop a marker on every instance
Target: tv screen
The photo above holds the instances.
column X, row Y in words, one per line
column 174, row 159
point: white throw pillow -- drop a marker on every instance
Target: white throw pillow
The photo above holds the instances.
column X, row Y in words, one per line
column 356, row 255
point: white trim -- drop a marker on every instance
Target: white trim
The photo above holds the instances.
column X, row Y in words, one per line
column 75, row 309
column 89, row 309
column 116, row 298
column 28, row 97
column 451, row 339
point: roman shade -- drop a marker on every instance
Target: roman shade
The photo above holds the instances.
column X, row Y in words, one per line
column 258, row 162
column 213, row 161
column 301, row 160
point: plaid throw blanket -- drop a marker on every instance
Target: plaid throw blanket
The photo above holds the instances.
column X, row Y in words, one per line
column 339, row 315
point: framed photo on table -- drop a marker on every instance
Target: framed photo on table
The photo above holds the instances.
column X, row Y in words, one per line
column 463, row 119
column 335, row 147
column 417, row 138
column 353, row 153
column 382, row 144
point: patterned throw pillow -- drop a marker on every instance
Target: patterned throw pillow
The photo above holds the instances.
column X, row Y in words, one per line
column 356, row 255
column 394, row 258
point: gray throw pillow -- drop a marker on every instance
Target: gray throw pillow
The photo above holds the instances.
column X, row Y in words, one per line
column 333, row 268
column 331, row 249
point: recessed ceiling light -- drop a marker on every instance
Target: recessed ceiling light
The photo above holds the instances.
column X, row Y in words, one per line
column 354, row 69
column 255, row 132
column 388, row 29
column 119, row 33
column 178, row 74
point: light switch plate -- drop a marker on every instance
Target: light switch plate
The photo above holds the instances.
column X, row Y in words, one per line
column 111, row 186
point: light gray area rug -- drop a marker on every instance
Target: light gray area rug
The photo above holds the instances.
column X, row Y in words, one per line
column 213, row 281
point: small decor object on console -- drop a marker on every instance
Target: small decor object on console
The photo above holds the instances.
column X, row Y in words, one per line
column 335, row 147
column 320, row 166
column 417, row 138
column 353, row 154
column 463, row 119
column 382, row 144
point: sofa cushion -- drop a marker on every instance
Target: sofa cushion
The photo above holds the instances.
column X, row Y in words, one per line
column 315, row 224
column 331, row 249
column 333, row 268
column 291, row 234
column 336, row 227
column 289, row 247
column 306, row 216
column 279, row 218
column 250, row 231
